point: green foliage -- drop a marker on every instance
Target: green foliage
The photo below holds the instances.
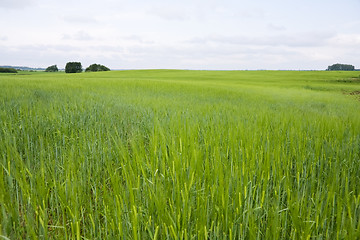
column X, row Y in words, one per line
column 341, row 67
column 8, row 70
column 96, row 68
column 179, row 155
column 73, row 67
column 52, row 68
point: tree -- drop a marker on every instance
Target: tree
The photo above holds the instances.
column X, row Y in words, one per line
column 96, row 68
column 52, row 68
column 73, row 67
column 7, row 70
column 341, row 67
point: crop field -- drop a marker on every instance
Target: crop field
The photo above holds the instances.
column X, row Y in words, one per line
column 175, row 154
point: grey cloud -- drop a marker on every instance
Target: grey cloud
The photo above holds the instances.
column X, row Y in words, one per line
column 63, row 48
column 43, row 55
column 205, row 52
column 216, row 54
column 298, row 40
column 37, row 55
column 3, row 38
column 43, row 48
column 198, row 58
column 136, row 56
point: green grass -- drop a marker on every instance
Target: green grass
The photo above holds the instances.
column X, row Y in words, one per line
column 170, row 154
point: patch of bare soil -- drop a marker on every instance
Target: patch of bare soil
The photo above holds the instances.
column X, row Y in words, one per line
column 354, row 93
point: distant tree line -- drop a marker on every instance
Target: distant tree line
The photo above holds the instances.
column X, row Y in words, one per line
column 52, row 68
column 71, row 67
column 96, row 68
column 341, row 67
column 76, row 67
column 8, row 70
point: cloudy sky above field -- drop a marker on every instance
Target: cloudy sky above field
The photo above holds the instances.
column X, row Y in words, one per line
column 186, row 34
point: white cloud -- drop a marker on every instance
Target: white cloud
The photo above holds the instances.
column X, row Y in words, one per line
column 80, row 19
column 169, row 14
column 275, row 27
column 192, row 34
column 16, row 4
column 137, row 39
column 177, row 55
column 79, row 36
column 254, row 13
column 346, row 40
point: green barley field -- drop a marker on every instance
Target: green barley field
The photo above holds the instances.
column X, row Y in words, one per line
column 172, row 154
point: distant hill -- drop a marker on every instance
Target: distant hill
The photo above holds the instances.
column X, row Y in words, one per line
column 24, row 68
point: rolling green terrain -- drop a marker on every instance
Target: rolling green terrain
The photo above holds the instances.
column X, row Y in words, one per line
column 171, row 154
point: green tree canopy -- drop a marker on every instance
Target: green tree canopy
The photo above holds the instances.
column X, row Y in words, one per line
column 73, row 67
column 52, row 68
column 8, row 70
column 96, row 68
column 341, row 67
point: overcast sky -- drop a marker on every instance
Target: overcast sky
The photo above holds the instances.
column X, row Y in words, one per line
column 181, row 34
